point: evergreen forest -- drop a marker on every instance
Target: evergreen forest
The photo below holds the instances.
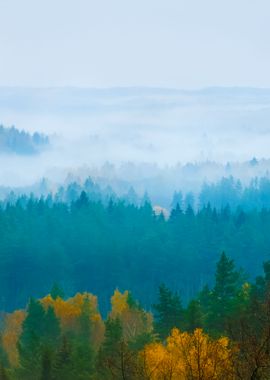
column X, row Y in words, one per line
column 222, row 333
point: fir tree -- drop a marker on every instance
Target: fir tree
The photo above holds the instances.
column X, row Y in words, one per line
column 109, row 355
column 168, row 312
column 83, row 354
column 194, row 316
column 52, row 327
column 30, row 342
column 46, row 365
column 227, row 285
column 57, row 291
column 63, row 366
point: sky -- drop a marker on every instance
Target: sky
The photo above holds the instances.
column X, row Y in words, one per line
column 157, row 43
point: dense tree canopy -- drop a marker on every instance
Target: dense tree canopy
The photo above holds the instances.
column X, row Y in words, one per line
column 87, row 245
column 66, row 339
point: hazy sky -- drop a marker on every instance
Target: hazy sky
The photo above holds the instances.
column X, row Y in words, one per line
column 168, row 43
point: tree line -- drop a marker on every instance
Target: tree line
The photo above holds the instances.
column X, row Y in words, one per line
column 89, row 246
column 223, row 334
column 13, row 140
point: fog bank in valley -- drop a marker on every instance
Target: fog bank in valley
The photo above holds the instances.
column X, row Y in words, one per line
column 89, row 127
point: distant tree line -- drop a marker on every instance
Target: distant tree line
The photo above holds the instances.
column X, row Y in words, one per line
column 228, row 191
column 13, row 140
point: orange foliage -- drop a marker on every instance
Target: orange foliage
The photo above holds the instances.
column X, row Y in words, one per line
column 11, row 334
column 68, row 312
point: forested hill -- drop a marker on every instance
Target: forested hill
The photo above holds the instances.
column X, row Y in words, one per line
column 222, row 334
column 228, row 191
column 13, row 140
column 87, row 245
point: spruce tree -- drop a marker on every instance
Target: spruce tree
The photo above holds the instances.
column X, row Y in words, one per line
column 57, row 291
column 30, row 342
column 83, row 354
column 52, row 326
column 46, row 365
column 194, row 316
column 109, row 355
column 63, row 366
column 38, row 341
column 227, row 285
column 168, row 312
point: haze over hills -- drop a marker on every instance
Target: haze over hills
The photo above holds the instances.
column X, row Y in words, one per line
column 13, row 141
column 134, row 190
column 153, row 125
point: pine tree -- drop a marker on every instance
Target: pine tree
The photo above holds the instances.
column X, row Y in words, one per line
column 38, row 341
column 52, row 326
column 168, row 312
column 261, row 289
column 227, row 285
column 30, row 342
column 57, row 291
column 176, row 213
column 46, row 365
column 177, row 200
column 63, row 366
column 109, row 355
column 82, row 351
column 194, row 316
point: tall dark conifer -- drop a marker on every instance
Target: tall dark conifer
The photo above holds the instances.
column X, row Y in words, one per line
column 168, row 312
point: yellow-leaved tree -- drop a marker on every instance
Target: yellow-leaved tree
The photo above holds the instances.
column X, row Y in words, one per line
column 11, row 333
column 189, row 357
column 134, row 320
column 68, row 311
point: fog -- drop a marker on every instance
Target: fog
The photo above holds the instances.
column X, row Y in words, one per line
column 164, row 127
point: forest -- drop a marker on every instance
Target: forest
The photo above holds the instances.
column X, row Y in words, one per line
column 19, row 142
column 134, row 190
column 222, row 333
column 89, row 245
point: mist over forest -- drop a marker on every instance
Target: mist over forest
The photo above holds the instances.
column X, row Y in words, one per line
column 152, row 135
column 133, row 192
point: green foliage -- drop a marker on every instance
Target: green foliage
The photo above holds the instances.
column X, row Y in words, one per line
column 227, row 286
column 240, row 311
column 30, row 343
column 57, row 291
column 52, row 326
column 141, row 341
column 3, row 373
column 83, row 354
column 168, row 312
column 109, row 355
column 63, row 363
column 113, row 335
column 83, row 242
column 38, row 341
column 46, row 365
column 193, row 316
column 3, row 355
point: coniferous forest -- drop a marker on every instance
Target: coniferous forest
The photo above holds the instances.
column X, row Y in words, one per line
column 89, row 246
column 134, row 190
column 221, row 333
column 95, row 290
